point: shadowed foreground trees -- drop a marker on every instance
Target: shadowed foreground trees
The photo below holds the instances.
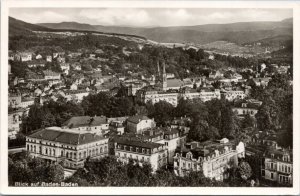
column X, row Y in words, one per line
column 24, row 169
column 110, row 172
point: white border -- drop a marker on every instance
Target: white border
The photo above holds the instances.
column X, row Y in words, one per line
column 149, row 190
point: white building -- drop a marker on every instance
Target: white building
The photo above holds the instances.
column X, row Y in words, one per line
column 213, row 158
column 231, row 95
column 71, row 147
column 139, row 123
column 141, row 152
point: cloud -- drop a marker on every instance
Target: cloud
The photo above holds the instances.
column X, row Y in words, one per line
column 37, row 16
column 148, row 16
column 117, row 16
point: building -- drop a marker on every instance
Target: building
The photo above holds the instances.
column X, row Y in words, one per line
column 38, row 56
column 26, row 102
column 50, row 75
column 71, row 147
column 278, row 166
column 95, row 124
column 244, row 108
column 49, row 58
column 207, row 94
column 169, row 137
column 139, row 123
column 213, row 158
column 14, row 100
column 233, row 94
column 36, row 63
column 155, row 95
column 141, row 152
column 24, row 56
column 14, row 122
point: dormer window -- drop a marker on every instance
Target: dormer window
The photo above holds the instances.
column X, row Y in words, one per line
column 272, row 156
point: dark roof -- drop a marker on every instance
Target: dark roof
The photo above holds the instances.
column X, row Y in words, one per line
column 136, row 119
column 82, row 121
column 61, row 136
column 136, row 142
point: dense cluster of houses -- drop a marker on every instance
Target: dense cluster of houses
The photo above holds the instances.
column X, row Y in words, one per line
column 137, row 137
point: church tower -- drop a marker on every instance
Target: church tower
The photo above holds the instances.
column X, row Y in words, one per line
column 158, row 75
column 164, row 77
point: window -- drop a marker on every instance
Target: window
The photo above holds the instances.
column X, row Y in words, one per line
column 46, row 151
column 67, row 154
column 125, row 155
column 80, row 155
column 62, row 153
column 53, row 152
column 84, row 154
column 263, row 173
column 101, row 150
column 34, row 147
column 272, row 175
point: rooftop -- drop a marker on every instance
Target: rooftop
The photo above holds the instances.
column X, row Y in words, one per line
column 85, row 121
column 136, row 119
column 57, row 134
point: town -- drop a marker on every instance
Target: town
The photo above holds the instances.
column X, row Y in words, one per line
column 102, row 110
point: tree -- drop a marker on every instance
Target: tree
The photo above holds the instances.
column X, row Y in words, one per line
column 55, row 173
column 162, row 112
column 244, row 170
column 248, row 121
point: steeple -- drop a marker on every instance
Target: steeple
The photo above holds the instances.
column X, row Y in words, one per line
column 164, row 77
column 158, row 69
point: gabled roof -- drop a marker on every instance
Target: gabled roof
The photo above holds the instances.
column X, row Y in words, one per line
column 136, row 119
column 85, row 121
column 174, row 83
column 58, row 135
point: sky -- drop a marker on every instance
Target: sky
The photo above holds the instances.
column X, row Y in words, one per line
column 148, row 17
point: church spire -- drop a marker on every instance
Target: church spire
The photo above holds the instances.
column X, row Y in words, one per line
column 164, row 77
column 158, row 69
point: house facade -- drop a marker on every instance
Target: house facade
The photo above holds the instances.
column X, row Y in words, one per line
column 70, row 147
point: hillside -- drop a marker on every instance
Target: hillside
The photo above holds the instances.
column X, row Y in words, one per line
column 18, row 27
column 240, row 33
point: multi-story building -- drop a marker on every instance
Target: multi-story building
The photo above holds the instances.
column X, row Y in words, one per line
column 141, row 152
column 96, row 124
column 71, row 147
column 231, row 95
column 156, row 95
column 139, row 123
column 171, row 138
column 278, row 166
column 207, row 94
column 14, row 122
column 212, row 158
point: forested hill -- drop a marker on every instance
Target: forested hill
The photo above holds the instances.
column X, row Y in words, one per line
column 18, row 27
column 242, row 32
